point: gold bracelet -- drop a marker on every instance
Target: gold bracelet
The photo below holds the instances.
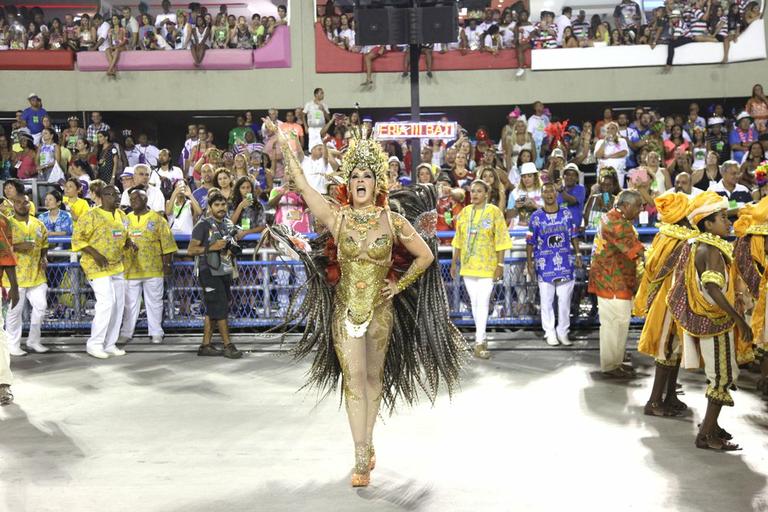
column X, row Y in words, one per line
column 710, row 276
column 411, row 276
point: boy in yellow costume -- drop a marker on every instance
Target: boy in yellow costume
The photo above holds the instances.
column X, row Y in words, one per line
column 701, row 301
column 751, row 279
column 661, row 337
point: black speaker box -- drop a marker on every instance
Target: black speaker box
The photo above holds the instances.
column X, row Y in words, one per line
column 437, row 24
column 386, row 25
column 393, row 25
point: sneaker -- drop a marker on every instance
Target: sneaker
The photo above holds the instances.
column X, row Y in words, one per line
column 97, row 353
column 157, row 339
column 551, row 340
column 231, row 352
column 564, row 340
column 123, row 339
column 17, row 352
column 114, row 351
column 520, row 72
column 37, row 347
column 6, row 397
column 208, row 350
column 429, row 74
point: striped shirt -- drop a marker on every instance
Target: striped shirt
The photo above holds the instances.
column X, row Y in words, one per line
column 546, row 37
column 723, row 22
column 698, row 26
column 680, row 30
column 580, row 29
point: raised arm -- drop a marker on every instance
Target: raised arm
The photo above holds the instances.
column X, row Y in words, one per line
column 319, row 207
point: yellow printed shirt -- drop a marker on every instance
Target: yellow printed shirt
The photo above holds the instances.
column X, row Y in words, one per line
column 480, row 234
column 28, row 271
column 153, row 237
column 107, row 234
column 78, row 207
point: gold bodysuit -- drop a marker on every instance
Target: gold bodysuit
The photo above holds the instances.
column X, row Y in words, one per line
column 364, row 250
column 362, row 317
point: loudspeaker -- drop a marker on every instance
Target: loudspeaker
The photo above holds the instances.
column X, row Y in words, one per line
column 437, row 24
column 387, row 25
column 392, row 25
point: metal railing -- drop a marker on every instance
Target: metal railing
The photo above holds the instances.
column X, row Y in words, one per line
column 266, row 285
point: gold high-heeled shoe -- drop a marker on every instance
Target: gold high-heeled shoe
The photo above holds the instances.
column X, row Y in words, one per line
column 361, row 475
column 372, row 460
column 481, row 351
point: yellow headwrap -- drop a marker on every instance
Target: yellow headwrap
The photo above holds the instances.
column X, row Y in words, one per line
column 672, row 207
column 744, row 221
column 704, row 205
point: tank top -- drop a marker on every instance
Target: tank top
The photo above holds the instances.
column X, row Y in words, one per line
column 47, row 153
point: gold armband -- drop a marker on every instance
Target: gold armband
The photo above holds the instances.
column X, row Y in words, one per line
column 710, row 276
column 411, row 276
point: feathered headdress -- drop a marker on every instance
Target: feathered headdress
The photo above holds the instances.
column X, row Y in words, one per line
column 761, row 173
column 556, row 132
column 365, row 154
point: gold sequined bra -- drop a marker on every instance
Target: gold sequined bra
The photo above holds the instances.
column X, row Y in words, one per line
column 363, row 269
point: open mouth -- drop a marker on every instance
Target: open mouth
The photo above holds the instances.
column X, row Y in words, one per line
column 360, row 191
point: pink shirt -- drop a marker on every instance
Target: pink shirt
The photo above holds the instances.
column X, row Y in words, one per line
column 293, row 212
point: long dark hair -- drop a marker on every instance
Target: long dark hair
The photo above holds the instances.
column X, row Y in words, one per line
column 237, row 197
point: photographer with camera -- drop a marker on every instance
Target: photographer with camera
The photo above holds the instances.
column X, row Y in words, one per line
column 214, row 243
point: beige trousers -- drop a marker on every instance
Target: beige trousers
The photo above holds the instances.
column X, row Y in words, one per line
column 614, row 327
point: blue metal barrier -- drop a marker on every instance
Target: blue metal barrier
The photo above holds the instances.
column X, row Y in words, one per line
column 265, row 287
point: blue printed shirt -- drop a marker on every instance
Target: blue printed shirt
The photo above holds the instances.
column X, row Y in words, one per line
column 550, row 234
column 579, row 192
column 63, row 222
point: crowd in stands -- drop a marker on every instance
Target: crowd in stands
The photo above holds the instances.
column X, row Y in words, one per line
column 589, row 161
column 676, row 23
column 192, row 28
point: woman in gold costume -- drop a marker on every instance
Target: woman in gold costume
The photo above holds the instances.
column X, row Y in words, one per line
column 365, row 319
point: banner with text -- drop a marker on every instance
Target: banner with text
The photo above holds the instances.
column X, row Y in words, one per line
column 411, row 130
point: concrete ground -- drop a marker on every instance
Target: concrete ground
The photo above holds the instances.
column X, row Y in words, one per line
column 534, row 429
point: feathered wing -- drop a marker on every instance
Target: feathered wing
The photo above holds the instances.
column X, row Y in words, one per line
column 426, row 349
column 314, row 313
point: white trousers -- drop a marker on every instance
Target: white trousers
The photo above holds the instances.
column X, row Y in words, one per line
column 547, row 293
column 479, row 290
column 614, row 327
column 6, row 377
column 37, row 297
column 110, row 300
column 153, row 304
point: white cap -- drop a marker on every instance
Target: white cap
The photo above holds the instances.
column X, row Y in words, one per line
column 395, row 159
column 742, row 115
column 528, row 168
column 33, row 95
column 571, row 167
column 557, row 153
column 712, row 121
